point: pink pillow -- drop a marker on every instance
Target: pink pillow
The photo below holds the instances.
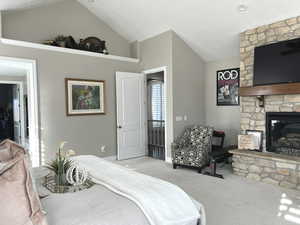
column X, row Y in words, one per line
column 19, row 203
column 4, row 154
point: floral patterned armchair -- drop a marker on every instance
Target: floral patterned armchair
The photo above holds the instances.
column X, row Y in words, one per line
column 192, row 148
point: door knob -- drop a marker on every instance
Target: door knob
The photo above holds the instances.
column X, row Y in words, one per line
column 119, row 127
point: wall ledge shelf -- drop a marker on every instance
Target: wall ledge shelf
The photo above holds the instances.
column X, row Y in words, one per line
column 65, row 50
column 274, row 89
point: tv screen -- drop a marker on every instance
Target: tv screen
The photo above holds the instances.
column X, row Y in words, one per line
column 277, row 63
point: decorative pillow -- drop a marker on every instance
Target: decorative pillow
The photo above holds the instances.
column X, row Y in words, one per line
column 3, row 166
column 201, row 135
column 20, row 204
column 5, row 154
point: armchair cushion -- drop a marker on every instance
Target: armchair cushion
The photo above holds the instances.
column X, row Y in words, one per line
column 183, row 140
column 201, row 135
column 192, row 147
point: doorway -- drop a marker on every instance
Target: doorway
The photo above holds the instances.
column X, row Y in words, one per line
column 163, row 128
column 13, row 124
column 156, row 101
column 25, row 103
column 132, row 116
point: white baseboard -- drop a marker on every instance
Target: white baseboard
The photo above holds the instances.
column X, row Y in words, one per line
column 168, row 160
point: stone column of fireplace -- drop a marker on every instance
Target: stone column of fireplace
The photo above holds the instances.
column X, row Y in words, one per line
column 253, row 116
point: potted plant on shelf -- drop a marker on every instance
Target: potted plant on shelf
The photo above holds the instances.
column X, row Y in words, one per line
column 61, row 164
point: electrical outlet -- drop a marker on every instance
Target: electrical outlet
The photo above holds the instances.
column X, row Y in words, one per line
column 102, row 149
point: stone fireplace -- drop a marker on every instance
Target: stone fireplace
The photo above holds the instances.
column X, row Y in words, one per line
column 279, row 118
column 283, row 133
column 253, row 117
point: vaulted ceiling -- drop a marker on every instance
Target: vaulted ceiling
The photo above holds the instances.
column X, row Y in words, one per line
column 210, row 27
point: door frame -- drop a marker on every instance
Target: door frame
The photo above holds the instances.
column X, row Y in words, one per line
column 168, row 108
column 22, row 111
column 144, row 107
column 33, row 105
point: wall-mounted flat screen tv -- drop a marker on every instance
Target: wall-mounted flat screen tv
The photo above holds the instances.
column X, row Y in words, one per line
column 277, row 63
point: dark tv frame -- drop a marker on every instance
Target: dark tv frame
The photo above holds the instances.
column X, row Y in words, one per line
column 271, row 83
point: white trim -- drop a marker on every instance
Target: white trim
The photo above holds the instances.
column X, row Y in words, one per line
column 0, row 24
column 66, row 50
column 168, row 160
column 33, row 113
column 168, row 107
column 22, row 112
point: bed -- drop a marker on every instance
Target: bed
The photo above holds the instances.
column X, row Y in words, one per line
column 94, row 206
column 122, row 197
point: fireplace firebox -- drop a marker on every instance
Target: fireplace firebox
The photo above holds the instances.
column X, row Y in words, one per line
column 283, row 133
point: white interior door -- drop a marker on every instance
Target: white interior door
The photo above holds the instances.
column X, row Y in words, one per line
column 130, row 88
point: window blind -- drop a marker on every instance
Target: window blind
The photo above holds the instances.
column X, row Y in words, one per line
column 157, row 100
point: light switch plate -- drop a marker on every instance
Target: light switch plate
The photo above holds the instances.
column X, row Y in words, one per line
column 185, row 117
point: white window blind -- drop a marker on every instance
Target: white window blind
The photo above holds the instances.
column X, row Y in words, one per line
column 157, row 100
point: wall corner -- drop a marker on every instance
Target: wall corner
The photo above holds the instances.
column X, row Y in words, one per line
column 135, row 49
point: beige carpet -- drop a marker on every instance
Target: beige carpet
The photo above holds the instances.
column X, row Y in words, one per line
column 232, row 201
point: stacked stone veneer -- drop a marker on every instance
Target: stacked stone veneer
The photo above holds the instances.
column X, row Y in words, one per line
column 271, row 170
column 268, row 168
column 253, row 116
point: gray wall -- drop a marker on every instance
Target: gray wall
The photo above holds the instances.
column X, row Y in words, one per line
column 12, row 78
column 188, row 85
column 67, row 18
column 85, row 134
column 156, row 51
column 221, row 117
column 185, row 71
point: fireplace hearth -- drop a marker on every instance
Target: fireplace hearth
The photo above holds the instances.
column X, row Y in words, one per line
column 283, row 133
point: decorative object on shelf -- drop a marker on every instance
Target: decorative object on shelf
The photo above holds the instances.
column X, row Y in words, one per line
column 85, row 97
column 248, row 142
column 60, row 40
column 228, row 82
column 92, row 44
column 259, row 136
column 76, row 175
column 63, row 41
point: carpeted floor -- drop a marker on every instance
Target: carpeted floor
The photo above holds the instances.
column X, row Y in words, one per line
column 232, row 201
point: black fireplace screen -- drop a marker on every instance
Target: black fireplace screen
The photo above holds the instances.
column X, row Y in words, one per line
column 283, row 133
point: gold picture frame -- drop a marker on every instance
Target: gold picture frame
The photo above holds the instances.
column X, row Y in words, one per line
column 85, row 97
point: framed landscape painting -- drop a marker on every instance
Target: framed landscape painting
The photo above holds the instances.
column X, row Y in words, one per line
column 85, row 97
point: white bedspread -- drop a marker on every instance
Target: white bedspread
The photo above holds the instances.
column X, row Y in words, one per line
column 162, row 203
